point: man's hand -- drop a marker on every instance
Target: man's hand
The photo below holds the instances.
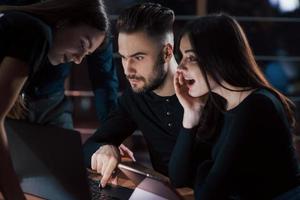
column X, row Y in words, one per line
column 105, row 160
column 124, row 151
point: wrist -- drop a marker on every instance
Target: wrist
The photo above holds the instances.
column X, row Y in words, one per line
column 191, row 119
column 189, row 124
column 110, row 150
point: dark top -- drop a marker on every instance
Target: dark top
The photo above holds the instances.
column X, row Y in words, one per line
column 159, row 119
column 102, row 73
column 253, row 158
column 24, row 37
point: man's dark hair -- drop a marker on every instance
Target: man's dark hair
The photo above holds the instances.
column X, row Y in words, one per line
column 152, row 18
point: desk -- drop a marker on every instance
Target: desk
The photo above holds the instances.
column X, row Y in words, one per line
column 186, row 193
column 123, row 181
column 28, row 197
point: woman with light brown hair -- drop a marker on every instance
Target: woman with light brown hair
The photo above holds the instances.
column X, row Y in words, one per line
column 60, row 31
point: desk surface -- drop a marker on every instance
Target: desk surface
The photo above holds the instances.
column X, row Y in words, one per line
column 28, row 197
column 186, row 193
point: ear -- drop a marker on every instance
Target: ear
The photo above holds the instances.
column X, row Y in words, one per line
column 168, row 52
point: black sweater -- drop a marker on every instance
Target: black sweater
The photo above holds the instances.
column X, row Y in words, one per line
column 253, row 158
column 159, row 118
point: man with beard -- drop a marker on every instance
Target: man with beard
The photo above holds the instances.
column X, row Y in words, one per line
column 145, row 43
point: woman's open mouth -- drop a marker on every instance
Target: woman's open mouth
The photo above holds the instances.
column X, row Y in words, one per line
column 189, row 81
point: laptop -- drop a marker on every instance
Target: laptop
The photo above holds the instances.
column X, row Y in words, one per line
column 49, row 163
column 149, row 184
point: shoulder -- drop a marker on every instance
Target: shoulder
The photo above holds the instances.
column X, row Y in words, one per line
column 25, row 37
column 260, row 104
column 22, row 19
column 25, row 25
column 261, row 98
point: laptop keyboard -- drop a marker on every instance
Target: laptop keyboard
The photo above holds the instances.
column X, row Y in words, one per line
column 97, row 193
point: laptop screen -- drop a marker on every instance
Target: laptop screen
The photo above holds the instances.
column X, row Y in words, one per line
column 149, row 184
column 48, row 160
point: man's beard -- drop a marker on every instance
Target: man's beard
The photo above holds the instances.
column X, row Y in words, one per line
column 157, row 78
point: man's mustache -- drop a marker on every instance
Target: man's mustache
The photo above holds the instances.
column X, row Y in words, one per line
column 135, row 77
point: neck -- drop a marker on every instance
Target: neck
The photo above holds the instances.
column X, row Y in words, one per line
column 233, row 98
column 167, row 87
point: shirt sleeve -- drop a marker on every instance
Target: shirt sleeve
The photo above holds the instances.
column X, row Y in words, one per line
column 103, row 76
column 181, row 158
column 116, row 128
column 183, row 165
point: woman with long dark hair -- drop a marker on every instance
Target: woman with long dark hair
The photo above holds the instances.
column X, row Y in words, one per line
column 236, row 140
column 60, row 31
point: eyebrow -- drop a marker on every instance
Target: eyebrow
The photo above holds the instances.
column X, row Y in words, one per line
column 189, row 51
column 133, row 55
column 89, row 41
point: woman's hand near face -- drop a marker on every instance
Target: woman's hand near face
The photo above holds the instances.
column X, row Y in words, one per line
column 192, row 105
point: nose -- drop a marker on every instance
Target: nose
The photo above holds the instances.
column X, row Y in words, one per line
column 128, row 66
column 181, row 66
column 77, row 58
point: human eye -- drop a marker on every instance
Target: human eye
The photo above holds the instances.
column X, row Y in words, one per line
column 139, row 58
column 191, row 58
column 82, row 45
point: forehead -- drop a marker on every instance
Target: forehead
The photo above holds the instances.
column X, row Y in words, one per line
column 130, row 43
column 84, row 30
column 81, row 28
column 95, row 36
column 185, row 43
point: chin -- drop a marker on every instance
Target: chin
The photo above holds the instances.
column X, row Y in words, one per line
column 137, row 90
column 195, row 94
column 54, row 61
